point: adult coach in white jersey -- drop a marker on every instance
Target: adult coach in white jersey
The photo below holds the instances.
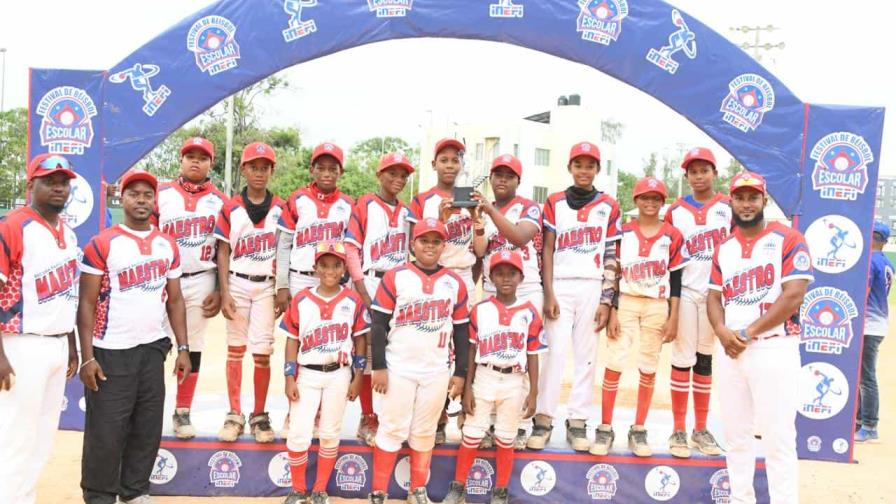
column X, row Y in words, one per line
column 186, row 210
column 759, row 277
column 38, row 302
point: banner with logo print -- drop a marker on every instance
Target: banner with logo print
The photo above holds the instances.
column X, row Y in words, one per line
column 839, row 173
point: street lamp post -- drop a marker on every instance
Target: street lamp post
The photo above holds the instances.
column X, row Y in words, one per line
column 2, row 78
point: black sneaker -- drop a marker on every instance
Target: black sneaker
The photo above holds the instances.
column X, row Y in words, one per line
column 499, row 496
column 418, row 496
column 296, row 498
column 183, row 428
column 377, row 497
column 457, row 494
column 637, row 441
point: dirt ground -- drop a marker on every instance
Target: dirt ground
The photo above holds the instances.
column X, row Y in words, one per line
column 865, row 482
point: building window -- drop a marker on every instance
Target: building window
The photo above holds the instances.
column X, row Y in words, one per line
column 542, row 157
column 480, row 150
column 516, row 150
column 540, row 194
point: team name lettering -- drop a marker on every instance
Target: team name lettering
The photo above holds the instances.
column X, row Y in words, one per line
column 391, row 244
column 459, row 228
column 254, row 244
column 702, row 243
column 143, row 273
column 56, row 281
column 578, row 237
column 325, row 335
column 320, row 231
column 644, row 270
column 502, row 342
column 189, row 227
column 750, row 280
column 424, row 311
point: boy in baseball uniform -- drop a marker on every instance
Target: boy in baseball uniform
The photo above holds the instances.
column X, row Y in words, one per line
column 760, row 274
column 325, row 330
column 376, row 241
column 650, row 263
column 704, row 220
column 579, row 272
column 419, row 307
column 247, row 243
column 506, row 336
column 186, row 210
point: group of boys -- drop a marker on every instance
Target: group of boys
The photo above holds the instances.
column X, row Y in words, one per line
column 408, row 327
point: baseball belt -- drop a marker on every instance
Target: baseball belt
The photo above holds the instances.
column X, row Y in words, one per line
column 252, row 278
column 326, row 368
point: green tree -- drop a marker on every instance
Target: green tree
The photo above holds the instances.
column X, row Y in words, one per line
column 726, row 174
column 625, row 187
column 650, row 165
column 13, row 154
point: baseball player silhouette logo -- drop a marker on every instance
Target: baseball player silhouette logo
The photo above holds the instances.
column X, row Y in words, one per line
column 164, row 469
column 161, row 464
column 538, row 478
column 662, row 483
column 824, row 387
column 139, row 75
column 825, row 391
column 681, row 40
column 838, row 240
column 79, row 204
column 835, row 243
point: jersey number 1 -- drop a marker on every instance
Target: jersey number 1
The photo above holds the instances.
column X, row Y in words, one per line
column 443, row 339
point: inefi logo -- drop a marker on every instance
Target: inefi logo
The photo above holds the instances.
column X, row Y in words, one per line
column 840, row 445
column 662, row 483
column 813, row 444
column 505, row 9
column 351, row 473
column 479, row 481
column 749, row 98
column 720, row 487
column 826, row 316
column 835, row 242
column 823, row 391
column 224, row 469
column 538, row 478
column 601, row 480
column 80, row 202
column 66, row 127
column 600, row 21
column 841, row 166
column 390, row 8
column 683, row 40
column 213, row 40
column 138, row 75
column 278, row 470
column 298, row 28
column 164, row 469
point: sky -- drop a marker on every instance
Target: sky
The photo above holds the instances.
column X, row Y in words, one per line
column 830, row 56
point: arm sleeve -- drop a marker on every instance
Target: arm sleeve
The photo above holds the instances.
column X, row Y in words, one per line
column 611, row 266
column 353, row 261
column 461, row 348
column 380, row 332
column 284, row 250
column 675, row 283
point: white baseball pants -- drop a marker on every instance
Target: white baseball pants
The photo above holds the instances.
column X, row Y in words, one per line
column 502, row 395
column 326, row 391
column 195, row 289
column 410, row 409
column 695, row 333
column 253, row 325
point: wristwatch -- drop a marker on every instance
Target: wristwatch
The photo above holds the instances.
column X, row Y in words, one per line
column 183, row 348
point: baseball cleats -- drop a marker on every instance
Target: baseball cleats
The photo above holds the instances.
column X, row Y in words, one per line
column 418, row 496
column 577, row 435
column 704, row 441
column 457, row 494
column 637, row 441
column 183, row 428
column 377, row 497
column 603, row 440
column 234, row 423
column 519, row 442
column 296, row 498
column 260, row 427
column 865, row 434
column 319, row 498
column 499, row 496
column 488, row 441
column 678, row 445
column 441, row 438
column 367, row 428
column 541, row 432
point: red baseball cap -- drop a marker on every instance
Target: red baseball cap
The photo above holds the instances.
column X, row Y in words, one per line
column 327, row 149
column 449, row 142
column 430, row 225
column 747, row 179
column 649, row 185
column 335, row 248
column 136, row 175
column 584, row 149
column 203, row 144
column 510, row 257
column 696, row 153
column 509, row 161
column 258, row 150
column 395, row 159
column 47, row 164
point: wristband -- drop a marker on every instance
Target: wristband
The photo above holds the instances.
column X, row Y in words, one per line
column 359, row 361
column 88, row 361
column 743, row 336
column 183, row 348
column 290, row 368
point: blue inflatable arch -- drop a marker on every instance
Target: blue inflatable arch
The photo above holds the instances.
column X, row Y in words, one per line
column 812, row 155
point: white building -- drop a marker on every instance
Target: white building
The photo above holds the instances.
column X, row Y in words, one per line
column 541, row 142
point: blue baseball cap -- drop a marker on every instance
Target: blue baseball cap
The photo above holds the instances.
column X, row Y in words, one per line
column 881, row 229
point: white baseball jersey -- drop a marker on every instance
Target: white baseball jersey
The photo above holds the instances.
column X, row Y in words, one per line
column 253, row 247
column 519, row 209
column 581, row 236
column 749, row 274
column 380, row 231
column 505, row 335
column 424, row 309
column 190, row 219
column 135, row 266
column 325, row 328
column 458, row 252
column 39, row 270
column 646, row 262
column 703, row 229
column 313, row 220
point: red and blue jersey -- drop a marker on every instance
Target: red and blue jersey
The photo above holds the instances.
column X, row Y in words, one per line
column 645, row 263
column 703, row 227
column 325, row 328
column 253, row 247
column 190, row 219
column 581, row 236
column 505, row 335
column 518, row 210
column 380, row 231
column 311, row 220
column 458, row 253
column 877, row 311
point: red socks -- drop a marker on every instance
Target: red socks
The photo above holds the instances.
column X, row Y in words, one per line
column 186, row 390
column 680, row 387
column 262, row 380
column 466, row 454
column 702, row 386
column 419, row 468
column 235, row 375
column 383, row 464
column 504, row 461
column 297, row 463
column 326, row 459
column 608, row 395
column 366, row 395
column 645, row 394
